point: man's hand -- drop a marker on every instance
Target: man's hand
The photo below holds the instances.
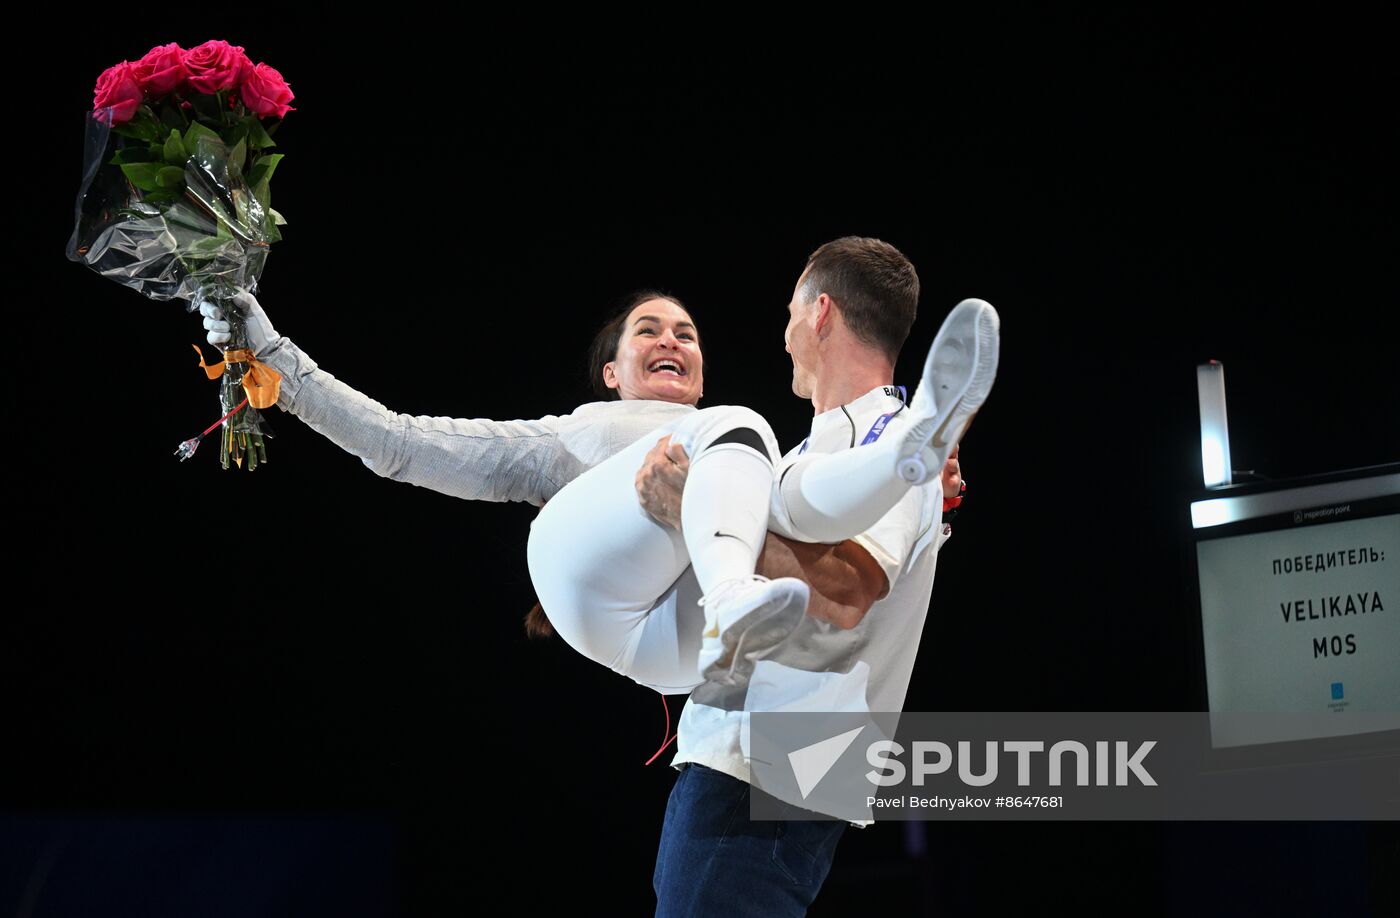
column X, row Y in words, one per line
column 952, row 475
column 661, row 480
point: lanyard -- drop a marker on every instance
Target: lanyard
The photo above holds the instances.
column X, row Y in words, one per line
column 879, row 426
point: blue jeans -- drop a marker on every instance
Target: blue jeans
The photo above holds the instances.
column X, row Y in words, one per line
column 713, row 860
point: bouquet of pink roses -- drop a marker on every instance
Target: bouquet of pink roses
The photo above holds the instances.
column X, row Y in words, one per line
column 176, row 202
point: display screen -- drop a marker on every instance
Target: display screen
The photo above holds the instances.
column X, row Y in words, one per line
column 1300, row 613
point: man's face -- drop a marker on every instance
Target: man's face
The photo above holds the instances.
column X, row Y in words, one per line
column 658, row 356
column 801, row 341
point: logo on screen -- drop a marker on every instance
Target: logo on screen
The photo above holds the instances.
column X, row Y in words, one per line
column 1336, row 691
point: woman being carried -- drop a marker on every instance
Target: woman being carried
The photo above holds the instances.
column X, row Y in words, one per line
column 611, row 576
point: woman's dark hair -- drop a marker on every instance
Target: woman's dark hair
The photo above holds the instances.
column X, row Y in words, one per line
column 537, row 624
column 603, row 350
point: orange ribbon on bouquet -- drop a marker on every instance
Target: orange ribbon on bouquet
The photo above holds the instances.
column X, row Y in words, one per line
column 260, row 381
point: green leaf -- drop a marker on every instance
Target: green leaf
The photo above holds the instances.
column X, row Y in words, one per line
column 139, row 130
column 208, row 245
column 238, row 155
column 157, row 197
column 273, row 234
column 258, row 138
column 132, row 155
column 196, row 131
column 277, row 218
column 170, row 177
column 262, row 169
column 240, row 206
column 144, row 175
column 174, row 151
column 234, row 133
column 263, row 192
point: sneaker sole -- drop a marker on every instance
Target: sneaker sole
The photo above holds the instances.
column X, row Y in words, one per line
column 962, row 407
column 792, row 604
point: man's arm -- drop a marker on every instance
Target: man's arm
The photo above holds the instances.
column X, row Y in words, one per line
column 845, row 580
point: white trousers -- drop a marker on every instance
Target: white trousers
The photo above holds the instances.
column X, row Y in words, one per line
column 615, row 583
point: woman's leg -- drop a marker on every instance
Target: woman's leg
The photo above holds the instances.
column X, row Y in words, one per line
column 832, row 497
column 600, row 563
column 604, row 569
column 668, row 644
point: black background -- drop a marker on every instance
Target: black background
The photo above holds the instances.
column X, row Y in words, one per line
column 311, row 682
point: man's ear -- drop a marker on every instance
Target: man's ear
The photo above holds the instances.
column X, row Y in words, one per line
column 610, row 375
column 823, row 313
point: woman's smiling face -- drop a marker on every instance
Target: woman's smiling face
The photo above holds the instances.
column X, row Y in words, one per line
column 658, row 356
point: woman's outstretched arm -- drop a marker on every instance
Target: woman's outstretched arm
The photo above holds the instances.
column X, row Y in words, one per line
column 475, row 459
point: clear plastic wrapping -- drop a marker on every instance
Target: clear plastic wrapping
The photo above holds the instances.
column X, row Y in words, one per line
column 178, row 219
column 188, row 243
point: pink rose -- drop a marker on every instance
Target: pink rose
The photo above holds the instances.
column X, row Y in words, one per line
column 266, row 93
column 162, row 70
column 216, row 65
column 119, row 90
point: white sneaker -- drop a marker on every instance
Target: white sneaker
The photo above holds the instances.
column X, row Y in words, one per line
column 958, row 376
column 747, row 619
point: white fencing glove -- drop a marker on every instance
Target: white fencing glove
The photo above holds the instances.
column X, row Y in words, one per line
column 261, row 334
